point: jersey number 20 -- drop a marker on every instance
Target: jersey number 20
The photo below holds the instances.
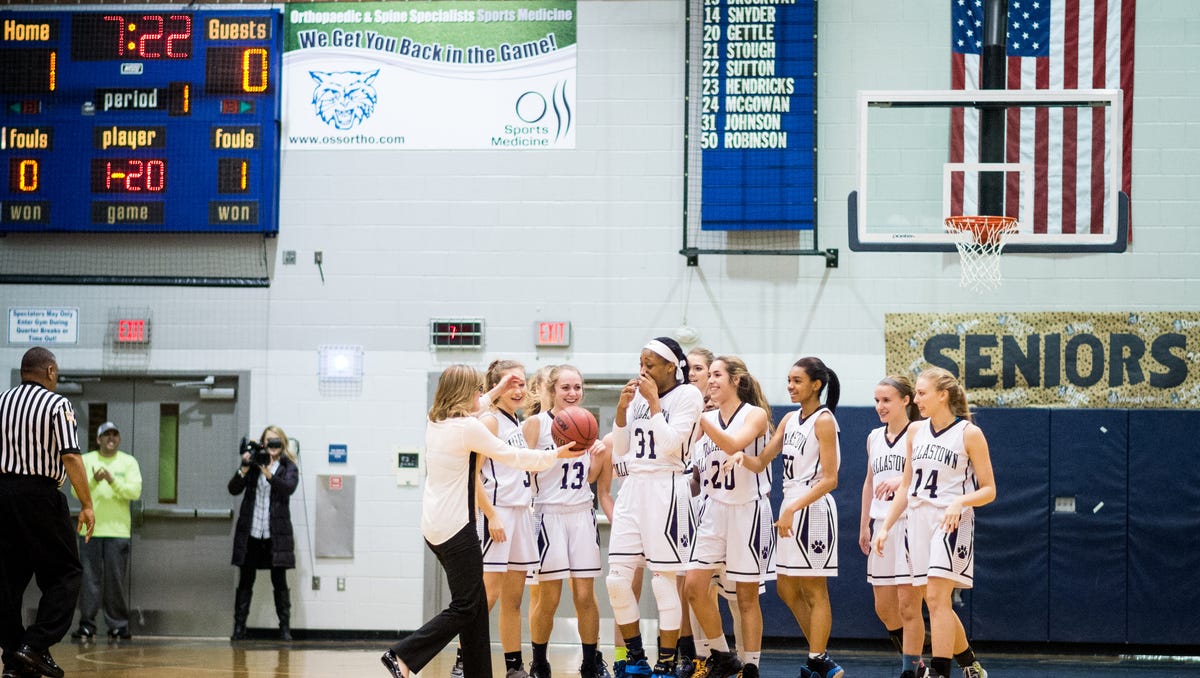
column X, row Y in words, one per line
column 717, row 481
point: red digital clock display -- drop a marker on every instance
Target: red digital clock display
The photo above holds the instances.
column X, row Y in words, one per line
column 129, row 175
column 456, row 333
column 136, row 37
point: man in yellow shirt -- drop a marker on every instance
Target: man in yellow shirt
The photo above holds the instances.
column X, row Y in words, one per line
column 114, row 480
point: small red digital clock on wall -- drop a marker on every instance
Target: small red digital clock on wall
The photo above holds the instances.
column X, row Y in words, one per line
column 456, row 333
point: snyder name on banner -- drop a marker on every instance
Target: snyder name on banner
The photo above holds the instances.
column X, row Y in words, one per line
column 487, row 74
column 1059, row 359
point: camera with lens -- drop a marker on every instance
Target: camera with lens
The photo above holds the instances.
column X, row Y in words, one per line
column 259, row 456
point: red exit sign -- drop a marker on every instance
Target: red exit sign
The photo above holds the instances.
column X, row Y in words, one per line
column 553, row 333
column 133, row 331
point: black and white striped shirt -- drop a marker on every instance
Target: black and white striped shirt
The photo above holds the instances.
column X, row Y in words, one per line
column 37, row 427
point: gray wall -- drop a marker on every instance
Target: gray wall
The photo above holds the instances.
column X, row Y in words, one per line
column 591, row 236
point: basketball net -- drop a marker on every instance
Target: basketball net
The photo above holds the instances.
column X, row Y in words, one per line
column 980, row 248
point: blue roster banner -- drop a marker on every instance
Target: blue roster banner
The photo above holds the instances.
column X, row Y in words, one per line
column 758, row 115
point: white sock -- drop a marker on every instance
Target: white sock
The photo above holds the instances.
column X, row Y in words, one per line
column 704, row 647
column 719, row 643
column 751, row 657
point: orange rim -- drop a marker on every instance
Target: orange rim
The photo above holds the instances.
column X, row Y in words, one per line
column 983, row 229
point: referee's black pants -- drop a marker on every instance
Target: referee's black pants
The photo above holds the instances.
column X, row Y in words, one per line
column 37, row 540
column 466, row 617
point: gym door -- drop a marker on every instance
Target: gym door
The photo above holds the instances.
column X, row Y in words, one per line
column 185, row 441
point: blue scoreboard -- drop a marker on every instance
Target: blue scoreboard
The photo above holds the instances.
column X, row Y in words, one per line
column 141, row 121
column 758, row 115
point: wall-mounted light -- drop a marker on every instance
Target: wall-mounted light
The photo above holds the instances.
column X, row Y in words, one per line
column 339, row 364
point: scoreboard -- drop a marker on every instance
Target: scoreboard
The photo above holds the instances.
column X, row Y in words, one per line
column 140, row 121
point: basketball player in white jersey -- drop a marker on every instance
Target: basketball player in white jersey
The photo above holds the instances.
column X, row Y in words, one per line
column 652, row 520
column 948, row 473
column 698, row 359
column 885, row 471
column 607, row 501
column 568, row 542
column 506, row 531
column 735, row 533
column 806, row 553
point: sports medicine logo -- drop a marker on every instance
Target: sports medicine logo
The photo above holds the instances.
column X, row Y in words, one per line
column 542, row 121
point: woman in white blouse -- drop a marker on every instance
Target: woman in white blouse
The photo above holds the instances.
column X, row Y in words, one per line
column 454, row 440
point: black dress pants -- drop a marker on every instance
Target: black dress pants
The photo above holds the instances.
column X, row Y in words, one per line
column 37, row 541
column 466, row 617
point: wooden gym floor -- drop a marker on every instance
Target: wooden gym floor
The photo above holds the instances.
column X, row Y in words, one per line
column 159, row 657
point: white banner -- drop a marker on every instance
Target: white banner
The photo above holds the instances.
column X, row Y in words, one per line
column 43, row 325
column 469, row 75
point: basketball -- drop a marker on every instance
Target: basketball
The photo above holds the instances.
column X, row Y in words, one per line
column 575, row 425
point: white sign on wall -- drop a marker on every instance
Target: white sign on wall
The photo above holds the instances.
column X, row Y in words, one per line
column 43, row 325
column 455, row 74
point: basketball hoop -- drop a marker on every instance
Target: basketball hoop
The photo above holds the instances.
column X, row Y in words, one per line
column 980, row 248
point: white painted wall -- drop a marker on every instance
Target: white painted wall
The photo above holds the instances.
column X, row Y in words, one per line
column 591, row 236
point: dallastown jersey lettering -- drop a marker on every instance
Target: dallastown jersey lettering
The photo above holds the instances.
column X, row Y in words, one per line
column 37, row 427
column 887, row 462
column 802, row 453
column 658, row 444
column 736, row 484
column 941, row 468
column 565, row 483
column 505, row 485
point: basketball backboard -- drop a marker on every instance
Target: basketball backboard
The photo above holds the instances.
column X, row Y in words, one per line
column 918, row 151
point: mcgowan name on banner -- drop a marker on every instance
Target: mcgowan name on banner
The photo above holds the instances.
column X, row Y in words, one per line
column 1068, row 359
column 494, row 74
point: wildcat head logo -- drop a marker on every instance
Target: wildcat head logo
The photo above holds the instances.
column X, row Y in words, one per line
column 344, row 98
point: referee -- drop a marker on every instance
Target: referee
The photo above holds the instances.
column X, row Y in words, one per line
column 39, row 449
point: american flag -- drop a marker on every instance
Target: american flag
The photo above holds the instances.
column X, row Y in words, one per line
column 1051, row 45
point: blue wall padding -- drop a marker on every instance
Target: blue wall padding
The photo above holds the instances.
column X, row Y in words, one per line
column 1011, row 560
column 1088, row 461
column 1164, row 527
column 1123, row 568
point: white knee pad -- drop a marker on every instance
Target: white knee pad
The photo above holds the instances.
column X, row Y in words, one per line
column 620, row 593
column 670, row 609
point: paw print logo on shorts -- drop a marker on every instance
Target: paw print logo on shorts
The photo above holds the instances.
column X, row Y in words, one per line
column 683, row 541
column 818, row 546
column 765, row 552
column 961, row 552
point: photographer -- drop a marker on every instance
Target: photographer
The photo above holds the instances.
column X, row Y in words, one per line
column 263, row 536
